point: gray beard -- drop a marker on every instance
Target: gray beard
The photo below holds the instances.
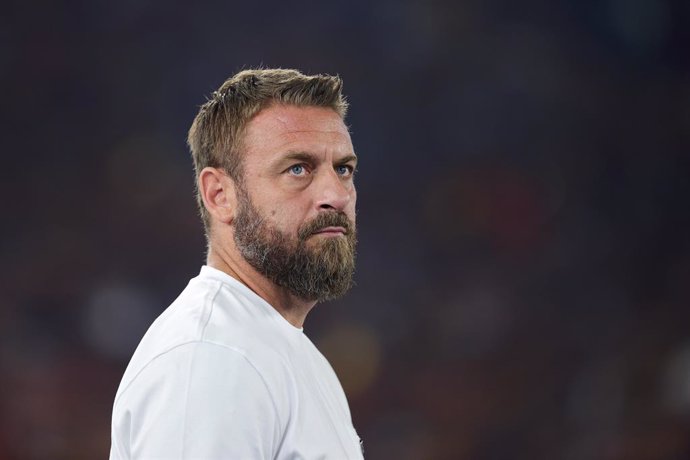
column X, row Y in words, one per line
column 322, row 272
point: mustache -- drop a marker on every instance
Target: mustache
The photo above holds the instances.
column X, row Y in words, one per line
column 324, row 220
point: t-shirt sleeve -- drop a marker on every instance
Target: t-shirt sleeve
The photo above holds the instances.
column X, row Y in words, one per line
column 197, row 401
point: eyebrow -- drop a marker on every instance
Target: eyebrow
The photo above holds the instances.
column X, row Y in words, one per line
column 311, row 158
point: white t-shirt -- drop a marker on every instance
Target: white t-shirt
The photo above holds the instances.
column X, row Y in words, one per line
column 222, row 375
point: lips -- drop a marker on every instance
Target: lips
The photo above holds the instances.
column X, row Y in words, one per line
column 331, row 231
column 327, row 224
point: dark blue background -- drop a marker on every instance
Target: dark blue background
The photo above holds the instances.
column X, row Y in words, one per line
column 524, row 263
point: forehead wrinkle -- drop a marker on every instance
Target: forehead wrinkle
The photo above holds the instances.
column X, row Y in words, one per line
column 328, row 139
column 291, row 124
column 298, row 129
column 335, row 131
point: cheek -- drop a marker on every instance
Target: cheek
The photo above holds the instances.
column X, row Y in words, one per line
column 285, row 221
column 352, row 206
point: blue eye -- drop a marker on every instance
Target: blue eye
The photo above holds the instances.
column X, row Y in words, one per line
column 344, row 170
column 297, row 169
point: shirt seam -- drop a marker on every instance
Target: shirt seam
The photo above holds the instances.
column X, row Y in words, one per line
column 208, row 305
column 210, row 312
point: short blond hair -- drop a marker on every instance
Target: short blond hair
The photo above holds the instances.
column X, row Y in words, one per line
column 215, row 137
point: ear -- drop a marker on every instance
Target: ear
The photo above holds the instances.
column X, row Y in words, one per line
column 218, row 192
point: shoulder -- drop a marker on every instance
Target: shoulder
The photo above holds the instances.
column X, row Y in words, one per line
column 215, row 321
column 181, row 323
column 198, row 396
column 216, row 370
column 188, row 362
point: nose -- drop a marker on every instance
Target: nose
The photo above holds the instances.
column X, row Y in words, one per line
column 333, row 192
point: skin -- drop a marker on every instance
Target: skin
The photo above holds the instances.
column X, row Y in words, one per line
column 298, row 162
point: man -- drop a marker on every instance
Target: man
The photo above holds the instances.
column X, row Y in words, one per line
column 226, row 372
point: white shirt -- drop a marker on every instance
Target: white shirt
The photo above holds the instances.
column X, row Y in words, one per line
column 222, row 375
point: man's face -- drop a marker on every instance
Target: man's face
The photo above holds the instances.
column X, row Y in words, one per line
column 295, row 222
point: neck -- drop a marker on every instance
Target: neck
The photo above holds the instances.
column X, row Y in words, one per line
column 227, row 259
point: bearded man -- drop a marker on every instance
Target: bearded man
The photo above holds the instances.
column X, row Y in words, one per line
column 226, row 372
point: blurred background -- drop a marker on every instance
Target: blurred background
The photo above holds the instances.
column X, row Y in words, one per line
column 523, row 284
